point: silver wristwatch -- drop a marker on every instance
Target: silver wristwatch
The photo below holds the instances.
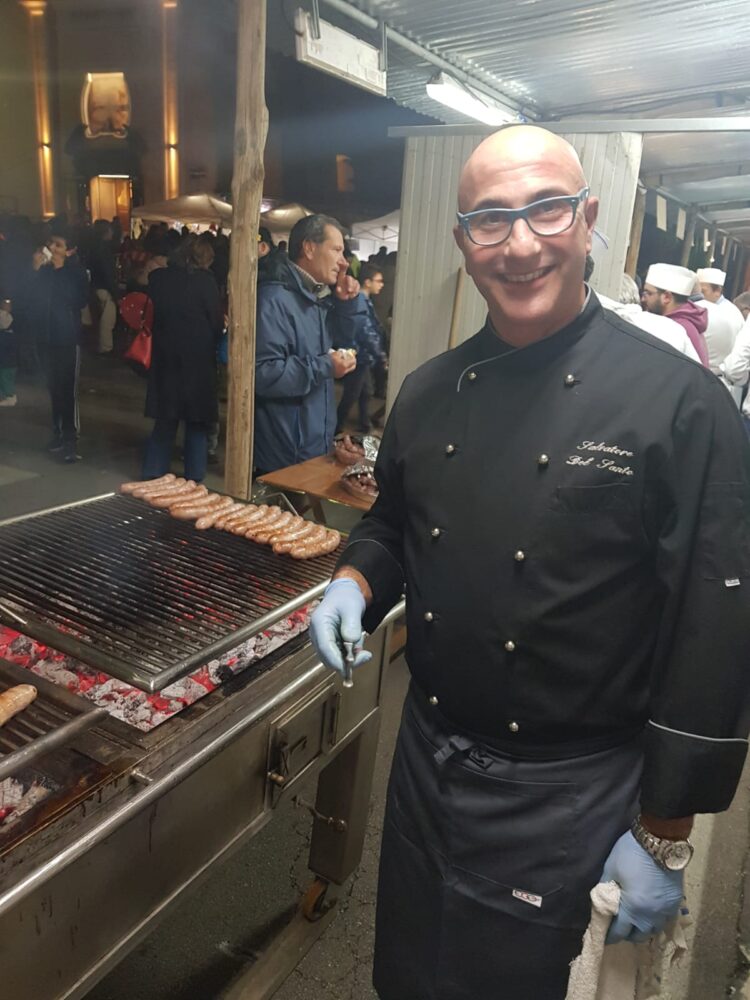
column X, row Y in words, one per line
column 672, row 855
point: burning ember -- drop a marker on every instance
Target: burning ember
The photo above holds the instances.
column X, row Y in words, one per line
column 17, row 797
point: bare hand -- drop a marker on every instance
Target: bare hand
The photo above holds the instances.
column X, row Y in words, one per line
column 343, row 363
column 38, row 259
column 347, row 287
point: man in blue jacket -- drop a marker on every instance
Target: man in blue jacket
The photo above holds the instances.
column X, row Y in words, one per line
column 295, row 364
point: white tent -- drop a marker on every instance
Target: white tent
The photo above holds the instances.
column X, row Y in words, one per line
column 188, row 209
column 376, row 233
column 280, row 220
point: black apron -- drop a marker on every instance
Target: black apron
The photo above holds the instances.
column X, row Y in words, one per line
column 487, row 862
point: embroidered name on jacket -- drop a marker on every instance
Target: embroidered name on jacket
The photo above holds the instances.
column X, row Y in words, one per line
column 599, row 457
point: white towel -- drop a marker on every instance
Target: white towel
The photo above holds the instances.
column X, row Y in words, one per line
column 622, row 971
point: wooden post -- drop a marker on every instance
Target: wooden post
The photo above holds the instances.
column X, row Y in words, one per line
column 636, row 231
column 687, row 243
column 250, row 128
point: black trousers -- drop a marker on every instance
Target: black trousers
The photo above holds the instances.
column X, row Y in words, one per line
column 62, row 364
column 487, row 862
column 356, row 387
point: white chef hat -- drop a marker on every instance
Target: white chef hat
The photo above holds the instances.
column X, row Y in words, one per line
column 712, row 276
column 671, row 278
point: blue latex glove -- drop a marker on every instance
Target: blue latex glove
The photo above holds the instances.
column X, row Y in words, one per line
column 649, row 895
column 338, row 617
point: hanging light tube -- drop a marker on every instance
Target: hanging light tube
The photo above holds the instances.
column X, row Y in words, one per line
column 460, row 97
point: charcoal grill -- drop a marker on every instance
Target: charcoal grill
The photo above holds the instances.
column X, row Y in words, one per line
column 139, row 594
column 141, row 818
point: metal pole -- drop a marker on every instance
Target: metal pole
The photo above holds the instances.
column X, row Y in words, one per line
column 250, row 128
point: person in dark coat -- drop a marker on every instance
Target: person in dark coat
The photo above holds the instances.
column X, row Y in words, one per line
column 57, row 292
column 565, row 501
column 182, row 377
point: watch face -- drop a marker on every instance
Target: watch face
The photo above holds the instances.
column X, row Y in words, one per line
column 677, row 856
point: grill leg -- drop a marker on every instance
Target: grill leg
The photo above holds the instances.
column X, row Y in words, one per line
column 344, row 792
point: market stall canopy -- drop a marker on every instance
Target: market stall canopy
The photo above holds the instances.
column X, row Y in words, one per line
column 280, row 220
column 190, row 209
column 376, row 233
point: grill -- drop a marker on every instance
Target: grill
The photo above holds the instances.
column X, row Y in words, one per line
column 136, row 593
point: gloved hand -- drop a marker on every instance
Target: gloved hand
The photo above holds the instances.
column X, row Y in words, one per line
column 649, row 894
column 338, row 617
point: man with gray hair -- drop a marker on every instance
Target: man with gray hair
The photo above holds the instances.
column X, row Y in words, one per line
column 295, row 364
column 565, row 502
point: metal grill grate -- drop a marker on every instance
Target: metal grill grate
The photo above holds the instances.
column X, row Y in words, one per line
column 139, row 594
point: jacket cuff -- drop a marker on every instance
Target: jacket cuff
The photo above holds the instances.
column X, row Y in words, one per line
column 381, row 570
column 684, row 774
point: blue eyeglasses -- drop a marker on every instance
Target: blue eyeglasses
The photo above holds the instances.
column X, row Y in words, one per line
column 488, row 227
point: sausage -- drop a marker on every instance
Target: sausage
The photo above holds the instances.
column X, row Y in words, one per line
column 246, row 510
column 310, row 541
column 264, row 534
column 15, row 700
column 207, row 500
column 213, row 504
column 217, row 514
column 286, row 540
column 253, row 521
column 146, row 491
column 161, row 481
column 272, row 517
column 167, row 500
column 231, row 513
column 318, row 548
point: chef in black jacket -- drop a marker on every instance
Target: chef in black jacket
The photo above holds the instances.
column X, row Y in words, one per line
column 565, row 500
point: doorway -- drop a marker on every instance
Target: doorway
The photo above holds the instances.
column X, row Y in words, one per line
column 111, row 196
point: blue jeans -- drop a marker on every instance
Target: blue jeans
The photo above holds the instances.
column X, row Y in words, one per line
column 157, row 459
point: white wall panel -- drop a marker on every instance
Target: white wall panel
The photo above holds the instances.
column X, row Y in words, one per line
column 428, row 258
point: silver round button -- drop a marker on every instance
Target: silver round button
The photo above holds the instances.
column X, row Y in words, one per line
column 471, row 376
column 513, row 726
column 510, row 645
column 520, row 555
column 543, row 460
column 570, row 380
column 428, row 616
column 436, row 532
column 449, row 449
column 432, row 699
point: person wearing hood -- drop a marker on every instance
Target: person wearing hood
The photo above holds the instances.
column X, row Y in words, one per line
column 295, row 364
column 629, row 308
column 666, row 292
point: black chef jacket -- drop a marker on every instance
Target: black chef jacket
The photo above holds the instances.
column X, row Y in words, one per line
column 571, row 522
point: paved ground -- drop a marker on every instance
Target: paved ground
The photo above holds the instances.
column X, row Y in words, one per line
column 208, row 939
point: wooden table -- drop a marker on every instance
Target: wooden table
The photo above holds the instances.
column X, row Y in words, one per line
column 319, row 479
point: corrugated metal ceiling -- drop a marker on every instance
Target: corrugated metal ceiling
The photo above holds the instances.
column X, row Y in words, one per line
column 559, row 57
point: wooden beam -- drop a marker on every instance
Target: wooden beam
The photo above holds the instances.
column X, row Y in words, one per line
column 636, row 231
column 250, row 128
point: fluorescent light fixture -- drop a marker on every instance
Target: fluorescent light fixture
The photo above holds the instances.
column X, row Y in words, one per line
column 453, row 94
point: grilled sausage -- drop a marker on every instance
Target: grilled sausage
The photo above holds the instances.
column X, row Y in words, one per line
column 231, row 513
column 167, row 500
column 286, row 541
column 149, row 491
column 274, row 515
column 213, row 503
column 264, row 534
column 15, row 700
column 322, row 547
column 161, row 481
column 253, row 521
column 217, row 514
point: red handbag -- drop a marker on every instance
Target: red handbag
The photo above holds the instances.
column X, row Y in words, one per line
column 137, row 310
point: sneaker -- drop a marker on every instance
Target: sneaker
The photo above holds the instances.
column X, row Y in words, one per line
column 70, row 455
column 55, row 445
column 8, row 401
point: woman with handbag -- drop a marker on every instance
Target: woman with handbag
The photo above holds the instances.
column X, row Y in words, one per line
column 182, row 377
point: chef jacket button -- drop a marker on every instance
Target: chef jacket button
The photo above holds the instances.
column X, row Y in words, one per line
column 513, row 726
column 449, row 449
column 510, row 645
column 428, row 616
column 436, row 532
column 519, row 556
column 570, row 380
column 543, row 460
column 432, row 699
column 471, row 376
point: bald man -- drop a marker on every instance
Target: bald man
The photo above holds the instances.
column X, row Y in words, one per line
column 564, row 499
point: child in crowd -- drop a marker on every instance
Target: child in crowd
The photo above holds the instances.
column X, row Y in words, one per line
column 8, row 355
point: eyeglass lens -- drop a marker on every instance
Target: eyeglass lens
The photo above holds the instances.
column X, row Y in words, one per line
column 549, row 217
